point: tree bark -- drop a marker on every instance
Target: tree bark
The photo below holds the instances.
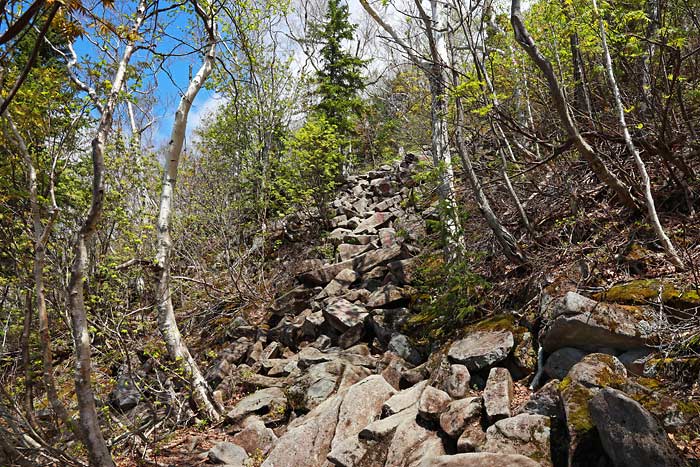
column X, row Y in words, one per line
column 98, row 452
column 522, row 36
column 167, row 323
column 641, row 167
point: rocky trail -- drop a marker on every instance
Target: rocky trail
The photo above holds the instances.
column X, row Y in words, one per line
column 333, row 381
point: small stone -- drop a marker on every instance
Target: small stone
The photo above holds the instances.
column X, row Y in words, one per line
column 498, row 394
column 524, row 434
column 457, row 384
column 228, row 453
column 400, row 345
column 459, row 415
column 432, row 403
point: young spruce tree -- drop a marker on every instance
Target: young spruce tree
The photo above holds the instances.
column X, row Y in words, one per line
column 340, row 79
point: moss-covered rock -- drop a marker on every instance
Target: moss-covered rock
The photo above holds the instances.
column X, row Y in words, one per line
column 643, row 291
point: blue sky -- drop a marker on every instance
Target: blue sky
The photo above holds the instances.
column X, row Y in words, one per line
column 170, row 79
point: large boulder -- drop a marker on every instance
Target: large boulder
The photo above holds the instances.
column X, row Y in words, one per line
column 524, row 434
column 481, row 349
column 361, row 406
column 308, row 442
column 322, row 380
column 630, row 435
column 589, row 325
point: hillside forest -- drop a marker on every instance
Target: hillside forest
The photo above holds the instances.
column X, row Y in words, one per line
column 355, row 233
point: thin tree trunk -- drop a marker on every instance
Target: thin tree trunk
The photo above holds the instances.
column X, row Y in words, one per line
column 26, row 360
column 167, row 323
column 646, row 182
column 522, row 36
column 442, row 158
column 40, row 235
column 98, row 452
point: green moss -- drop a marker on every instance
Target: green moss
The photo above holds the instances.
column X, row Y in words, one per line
column 642, row 291
column 502, row 322
column 576, row 398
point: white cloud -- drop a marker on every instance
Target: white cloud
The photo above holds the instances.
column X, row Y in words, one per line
column 201, row 111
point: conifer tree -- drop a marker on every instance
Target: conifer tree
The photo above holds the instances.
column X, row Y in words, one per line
column 340, row 79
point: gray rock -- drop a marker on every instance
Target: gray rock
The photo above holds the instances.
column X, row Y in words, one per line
column 635, row 360
column 482, row 349
column 262, row 402
column 524, row 434
column 385, row 296
column 361, row 406
column 255, row 438
column 343, row 315
column 589, row 325
column 459, row 415
column 481, row 459
column 401, row 346
column 630, row 435
column 373, row 222
column 404, row 399
column 498, row 394
column 560, row 362
column 598, row 370
column 432, row 403
column 228, row 453
column 307, row 442
column 457, row 383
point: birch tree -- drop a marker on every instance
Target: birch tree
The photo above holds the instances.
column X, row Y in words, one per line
column 98, row 452
column 638, row 162
column 435, row 67
column 167, row 323
column 523, row 37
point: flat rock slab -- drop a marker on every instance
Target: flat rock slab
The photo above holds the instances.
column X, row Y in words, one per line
column 343, row 315
column 498, row 394
column 260, row 402
column 482, row 349
column 590, row 325
column 524, row 434
column 373, row 222
column 361, row 406
column 481, row 459
column 630, row 435
column 308, row 442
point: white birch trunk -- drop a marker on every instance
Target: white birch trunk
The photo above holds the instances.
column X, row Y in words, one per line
column 98, row 452
column 641, row 167
column 167, row 324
